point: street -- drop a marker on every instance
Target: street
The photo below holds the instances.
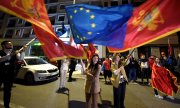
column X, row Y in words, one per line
column 46, row 95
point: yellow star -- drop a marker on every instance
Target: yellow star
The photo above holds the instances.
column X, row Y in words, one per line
column 92, row 16
column 81, row 39
column 87, row 11
column 75, row 11
column 89, row 33
column 71, row 17
column 81, row 8
column 84, row 38
column 77, row 36
column 93, row 25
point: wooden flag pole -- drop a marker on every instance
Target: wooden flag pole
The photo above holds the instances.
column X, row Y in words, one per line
column 129, row 56
column 26, row 45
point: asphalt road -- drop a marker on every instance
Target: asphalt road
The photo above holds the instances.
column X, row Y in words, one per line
column 47, row 95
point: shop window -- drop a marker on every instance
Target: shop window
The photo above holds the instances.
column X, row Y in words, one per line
column 9, row 33
column 52, row 9
column 12, row 22
column 26, row 33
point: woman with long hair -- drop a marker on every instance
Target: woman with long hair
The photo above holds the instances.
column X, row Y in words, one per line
column 92, row 85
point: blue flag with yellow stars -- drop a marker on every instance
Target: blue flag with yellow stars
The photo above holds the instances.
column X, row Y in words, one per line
column 103, row 26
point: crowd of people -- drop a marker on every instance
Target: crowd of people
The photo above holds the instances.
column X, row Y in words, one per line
column 118, row 71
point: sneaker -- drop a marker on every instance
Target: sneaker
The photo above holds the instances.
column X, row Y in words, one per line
column 170, row 97
column 159, row 96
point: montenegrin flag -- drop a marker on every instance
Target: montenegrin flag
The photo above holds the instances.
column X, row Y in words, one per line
column 163, row 80
column 34, row 11
column 151, row 21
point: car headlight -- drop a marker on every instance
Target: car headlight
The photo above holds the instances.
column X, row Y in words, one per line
column 40, row 71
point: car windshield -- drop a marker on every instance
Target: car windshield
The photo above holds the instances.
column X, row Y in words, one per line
column 35, row 61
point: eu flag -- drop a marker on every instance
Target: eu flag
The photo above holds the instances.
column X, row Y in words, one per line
column 103, row 26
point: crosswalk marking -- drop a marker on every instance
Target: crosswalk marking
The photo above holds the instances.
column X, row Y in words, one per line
column 12, row 105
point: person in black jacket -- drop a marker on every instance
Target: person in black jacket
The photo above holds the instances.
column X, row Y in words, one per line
column 8, row 59
column 72, row 67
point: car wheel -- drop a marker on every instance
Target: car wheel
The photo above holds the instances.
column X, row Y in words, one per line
column 29, row 78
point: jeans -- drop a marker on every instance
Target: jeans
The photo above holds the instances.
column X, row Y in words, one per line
column 132, row 73
column 119, row 95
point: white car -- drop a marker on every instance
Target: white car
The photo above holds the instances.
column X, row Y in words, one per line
column 35, row 69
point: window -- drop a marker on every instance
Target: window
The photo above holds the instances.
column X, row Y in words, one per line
column 20, row 22
column 60, row 17
column 2, row 14
column 52, row 19
column 46, row 1
column 27, row 24
column 53, row 1
column 62, row 7
column 59, row 32
column 52, row 9
column 32, row 32
column 114, row 3
column 12, row 22
column 1, row 25
column 11, row 16
column 26, row 33
column 17, row 33
column 9, row 33
column 36, row 51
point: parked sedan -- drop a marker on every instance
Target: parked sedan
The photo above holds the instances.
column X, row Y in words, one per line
column 35, row 69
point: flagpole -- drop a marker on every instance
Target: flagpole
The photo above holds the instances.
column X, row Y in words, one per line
column 26, row 45
column 129, row 56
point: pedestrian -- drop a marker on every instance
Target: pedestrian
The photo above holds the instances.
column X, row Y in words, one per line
column 92, row 84
column 119, row 81
column 8, row 59
column 72, row 67
column 107, row 70
column 59, row 67
column 143, row 62
column 132, row 69
column 163, row 80
column 64, row 70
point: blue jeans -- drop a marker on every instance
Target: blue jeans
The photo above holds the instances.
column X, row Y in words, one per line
column 132, row 74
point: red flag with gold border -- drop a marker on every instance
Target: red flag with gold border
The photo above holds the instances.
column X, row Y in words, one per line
column 151, row 21
column 34, row 11
column 163, row 80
